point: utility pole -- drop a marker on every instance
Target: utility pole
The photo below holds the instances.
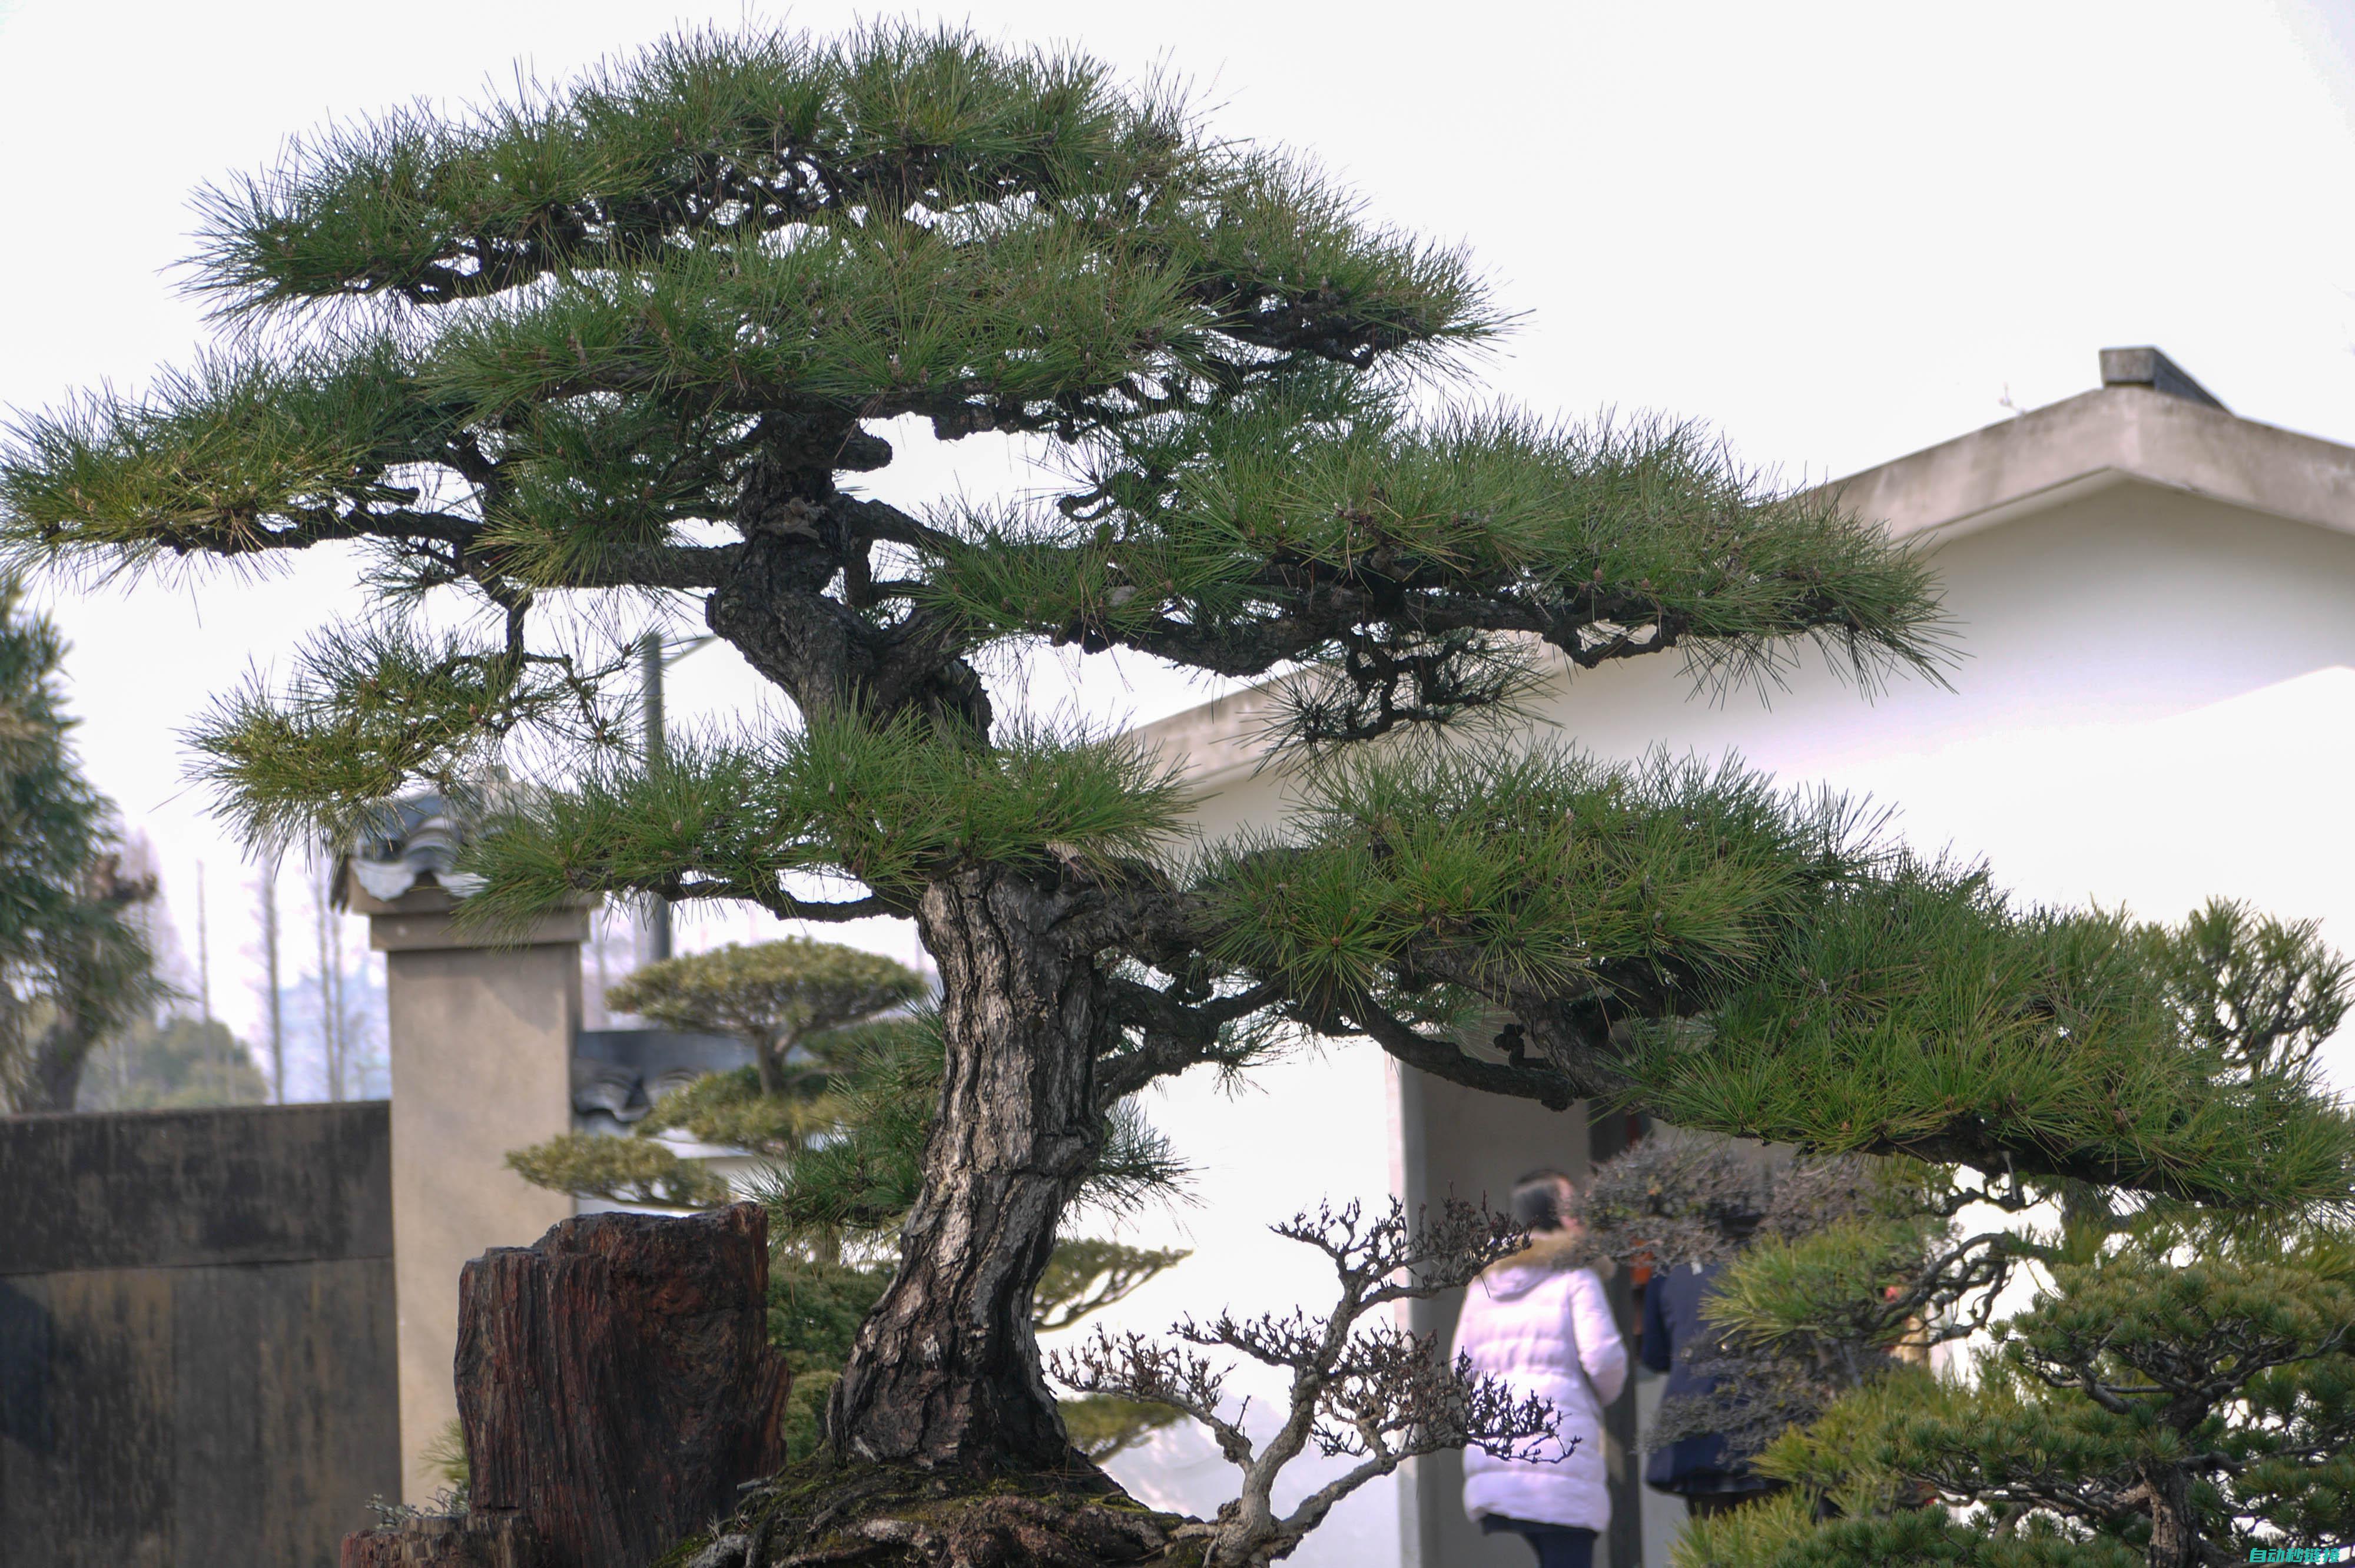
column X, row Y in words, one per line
column 650, row 674
column 204, row 953
column 330, row 1050
column 214, row 1057
column 268, row 887
column 343, row 1018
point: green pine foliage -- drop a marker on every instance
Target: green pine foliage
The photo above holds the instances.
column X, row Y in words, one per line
column 779, row 997
column 732, row 1110
column 1538, row 874
column 2216, row 1392
column 888, row 806
column 635, row 278
column 1782, row 1531
column 772, row 994
column 815, row 1310
column 620, row 335
column 75, row 966
column 2047, row 1034
column 619, row 1170
column 1649, row 521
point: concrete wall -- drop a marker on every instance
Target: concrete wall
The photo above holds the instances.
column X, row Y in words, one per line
column 481, row 1047
column 195, row 1336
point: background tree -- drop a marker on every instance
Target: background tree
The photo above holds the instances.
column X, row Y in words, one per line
column 74, row 964
column 773, row 997
column 178, row 1061
column 627, row 337
column 792, row 1003
column 1851, row 1267
column 2146, row 1407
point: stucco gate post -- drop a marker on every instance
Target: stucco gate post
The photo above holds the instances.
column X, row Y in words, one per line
column 480, row 1032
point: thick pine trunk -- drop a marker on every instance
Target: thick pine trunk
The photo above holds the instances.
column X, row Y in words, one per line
column 2174, row 1527
column 946, row 1371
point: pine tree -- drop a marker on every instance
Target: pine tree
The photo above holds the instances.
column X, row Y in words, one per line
column 74, row 964
column 636, row 335
column 2178, row 1395
column 795, row 1005
column 773, row 997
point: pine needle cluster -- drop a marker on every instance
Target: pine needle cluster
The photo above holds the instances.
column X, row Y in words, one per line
column 2145, row 1408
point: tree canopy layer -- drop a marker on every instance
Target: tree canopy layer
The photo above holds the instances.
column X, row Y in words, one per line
column 633, row 339
column 773, row 997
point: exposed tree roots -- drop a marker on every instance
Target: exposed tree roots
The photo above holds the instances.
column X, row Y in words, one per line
column 820, row 1513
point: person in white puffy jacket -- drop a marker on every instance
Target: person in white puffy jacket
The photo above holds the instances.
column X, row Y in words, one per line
column 1544, row 1327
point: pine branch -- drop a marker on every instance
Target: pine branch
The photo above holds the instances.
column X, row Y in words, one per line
column 1176, row 1036
column 1445, row 1059
column 775, row 900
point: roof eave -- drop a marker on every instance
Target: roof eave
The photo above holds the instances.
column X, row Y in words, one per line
column 2122, row 433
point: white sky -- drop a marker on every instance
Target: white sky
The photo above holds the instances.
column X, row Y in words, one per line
column 1839, row 233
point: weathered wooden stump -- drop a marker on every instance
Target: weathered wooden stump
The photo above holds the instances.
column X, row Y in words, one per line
column 616, row 1381
column 616, row 1386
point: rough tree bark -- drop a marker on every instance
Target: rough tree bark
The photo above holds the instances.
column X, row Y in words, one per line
column 945, row 1370
column 2166, row 1490
column 615, row 1381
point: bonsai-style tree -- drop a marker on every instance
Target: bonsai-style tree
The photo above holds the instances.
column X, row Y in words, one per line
column 634, row 338
column 795, row 1004
column 75, row 966
column 792, row 1003
column 772, row 997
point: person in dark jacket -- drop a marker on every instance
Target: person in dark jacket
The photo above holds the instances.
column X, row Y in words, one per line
column 1697, row 1468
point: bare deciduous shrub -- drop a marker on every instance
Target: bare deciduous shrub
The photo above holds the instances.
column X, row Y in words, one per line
column 1374, row 1391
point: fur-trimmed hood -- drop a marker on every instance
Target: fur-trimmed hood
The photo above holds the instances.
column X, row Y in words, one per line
column 1548, row 1254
